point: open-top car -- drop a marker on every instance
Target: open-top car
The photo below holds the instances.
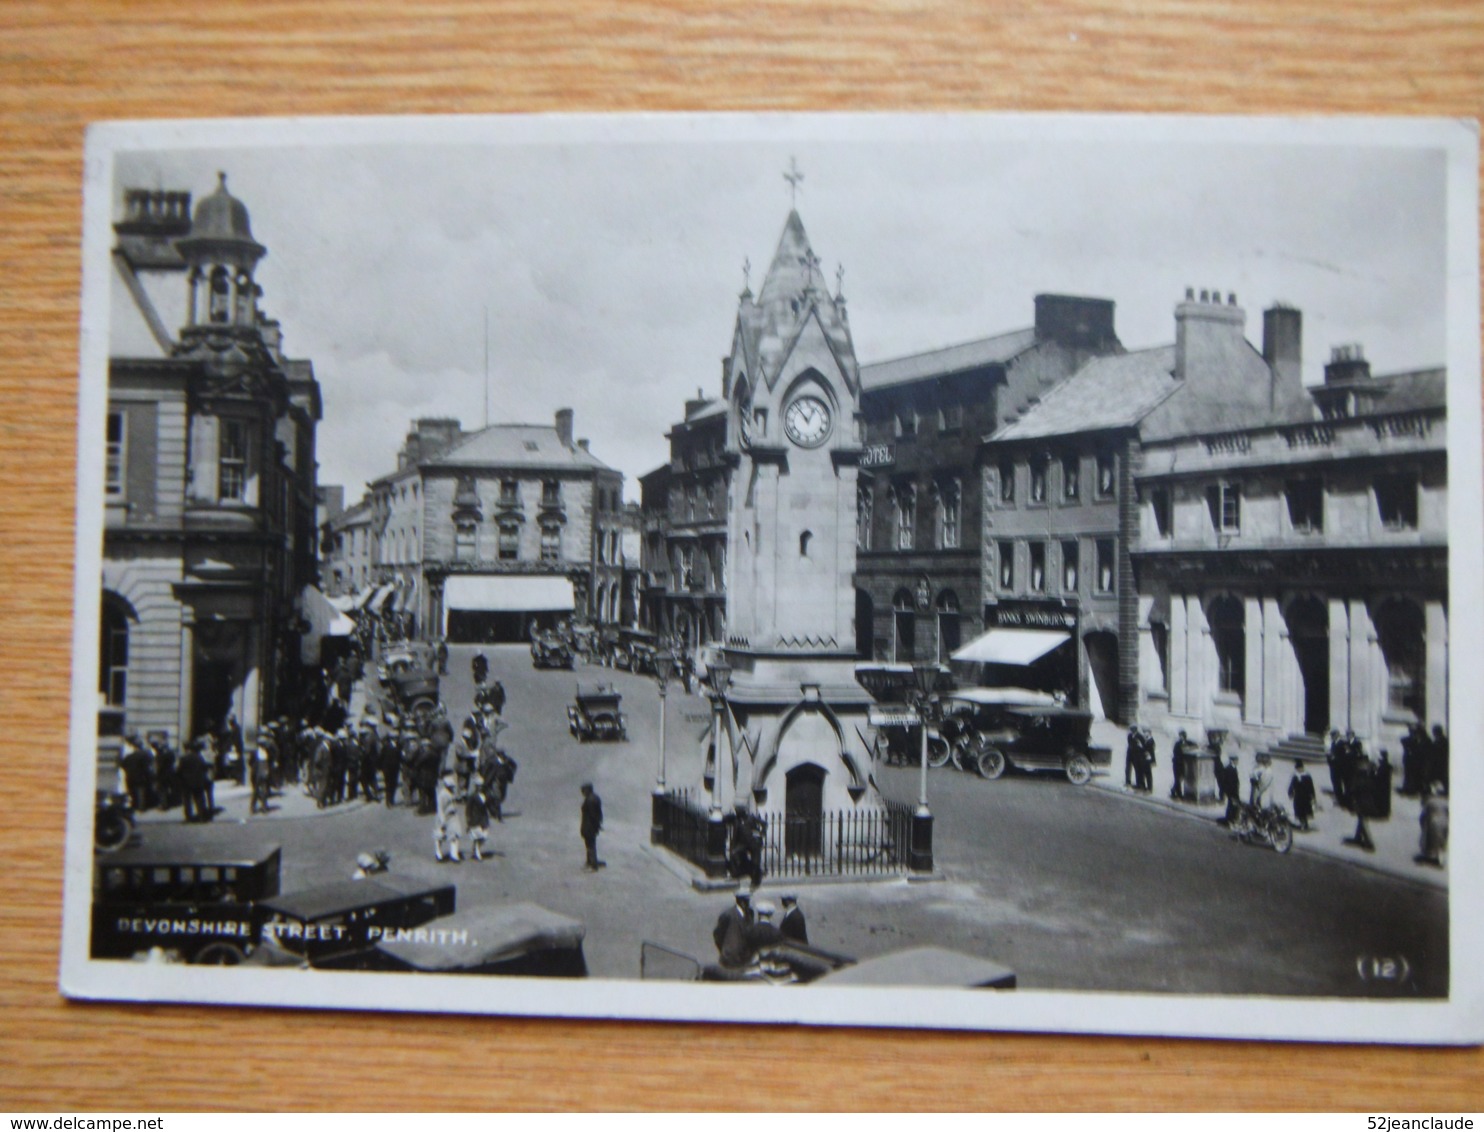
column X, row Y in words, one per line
column 596, row 714
column 409, row 673
column 549, row 651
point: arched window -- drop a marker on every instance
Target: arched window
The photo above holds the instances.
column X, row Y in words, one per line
column 948, row 497
column 1229, row 636
column 113, row 652
column 904, row 622
column 804, row 543
column 1400, row 631
column 949, row 633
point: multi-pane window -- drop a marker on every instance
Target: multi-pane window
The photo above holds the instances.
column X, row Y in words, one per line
column 509, row 542
column 1038, row 567
column 1107, row 480
column 1007, row 481
column 904, row 500
column 509, row 493
column 1069, row 567
column 232, row 460
column 1105, row 567
column 465, row 540
column 1305, row 506
column 950, row 513
column 551, row 542
column 551, row 493
column 1038, row 481
column 1005, row 553
column 1071, row 478
column 864, row 498
column 113, row 466
column 1224, row 500
column 1396, row 499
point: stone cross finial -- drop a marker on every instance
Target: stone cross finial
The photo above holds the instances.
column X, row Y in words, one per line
column 794, row 179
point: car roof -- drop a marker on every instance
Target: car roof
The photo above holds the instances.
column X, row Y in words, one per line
column 1014, row 697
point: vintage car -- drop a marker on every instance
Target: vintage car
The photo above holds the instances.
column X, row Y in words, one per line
column 1000, row 728
column 113, row 821
column 635, row 651
column 595, row 714
column 506, row 939
column 550, row 651
column 340, row 925
column 193, row 908
column 409, row 673
column 785, row 963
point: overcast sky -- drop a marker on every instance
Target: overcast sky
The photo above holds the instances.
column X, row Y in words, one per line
column 610, row 270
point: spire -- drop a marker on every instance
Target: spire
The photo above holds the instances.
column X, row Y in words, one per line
column 795, row 267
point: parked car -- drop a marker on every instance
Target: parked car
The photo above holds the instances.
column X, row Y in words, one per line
column 1015, row 727
column 506, row 939
column 550, row 651
column 409, row 673
column 339, row 925
column 595, row 714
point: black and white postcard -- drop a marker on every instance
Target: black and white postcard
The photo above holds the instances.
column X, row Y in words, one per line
column 963, row 571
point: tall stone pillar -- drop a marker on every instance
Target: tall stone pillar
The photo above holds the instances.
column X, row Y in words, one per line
column 1436, row 629
column 1367, row 673
column 187, row 677
column 1279, row 669
column 1339, row 664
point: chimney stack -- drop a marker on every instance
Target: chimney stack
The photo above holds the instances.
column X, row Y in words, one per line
column 1209, row 336
column 1076, row 321
column 1347, row 363
column 1283, row 343
column 564, row 427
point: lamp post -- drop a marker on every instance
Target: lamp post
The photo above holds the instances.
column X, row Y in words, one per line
column 719, row 676
column 925, row 677
column 664, row 668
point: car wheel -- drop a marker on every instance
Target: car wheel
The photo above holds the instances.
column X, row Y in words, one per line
column 219, row 955
column 991, row 763
column 1079, row 770
column 938, row 752
column 110, row 831
column 1282, row 835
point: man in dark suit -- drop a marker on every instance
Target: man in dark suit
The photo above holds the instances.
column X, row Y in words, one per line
column 793, row 926
column 592, row 825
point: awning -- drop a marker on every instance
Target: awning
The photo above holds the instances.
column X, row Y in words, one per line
column 508, row 594
column 323, row 619
column 378, row 597
column 1011, row 646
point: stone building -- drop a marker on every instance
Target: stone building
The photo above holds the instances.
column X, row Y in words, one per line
column 347, row 566
column 209, row 478
column 1293, row 574
column 921, row 511
column 489, row 535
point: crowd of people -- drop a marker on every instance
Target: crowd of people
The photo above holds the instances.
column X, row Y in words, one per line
column 157, row 776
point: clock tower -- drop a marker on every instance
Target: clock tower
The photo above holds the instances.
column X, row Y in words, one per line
column 793, row 735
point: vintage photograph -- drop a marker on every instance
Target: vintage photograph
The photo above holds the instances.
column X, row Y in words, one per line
column 970, row 571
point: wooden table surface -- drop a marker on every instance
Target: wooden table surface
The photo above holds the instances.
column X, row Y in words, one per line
column 63, row 65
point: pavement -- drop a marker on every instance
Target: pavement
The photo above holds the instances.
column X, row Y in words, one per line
column 1397, row 838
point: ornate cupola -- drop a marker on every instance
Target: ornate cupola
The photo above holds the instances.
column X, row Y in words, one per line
column 222, row 256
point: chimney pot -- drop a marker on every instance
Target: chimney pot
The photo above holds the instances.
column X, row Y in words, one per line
column 582, row 444
column 1231, row 298
column 1205, row 296
column 1189, row 294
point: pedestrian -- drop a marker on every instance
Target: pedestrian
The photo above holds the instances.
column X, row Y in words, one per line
column 1359, row 782
column 763, row 934
column 1434, row 822
column 390, row 756
column 745, row 858
column 233, row 749
column 442, row 656
column 592, row 825
column 1437, row 761
column 1351, row 757
column 480, row 666
column 1302, row 793
column 192, row 771
column 138, row 770
column 1229, row 783
column 1414, row 749
column 730, row 932
column 1144, row 769
column 450, row 817
column 1131, row 757
column 1381, row 787
column 1261, row 783
column 167, row 787
column 1336, row 760
column 209, row 755
column 261, row 770
column 1184, row 748
column 792, row 926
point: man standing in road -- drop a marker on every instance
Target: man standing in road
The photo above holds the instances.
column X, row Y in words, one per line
column 793, row 926
column 592, row 825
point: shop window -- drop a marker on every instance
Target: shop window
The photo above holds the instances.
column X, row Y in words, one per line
column 1069, row 567
column 1229, row 637
column 1305, row 506
column 1105, row 566
column 1038, row 567
column 1396, row 499
column 113, row 465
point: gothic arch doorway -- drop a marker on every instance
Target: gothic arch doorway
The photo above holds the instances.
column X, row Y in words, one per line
column 803, row 811
column 1308, row 634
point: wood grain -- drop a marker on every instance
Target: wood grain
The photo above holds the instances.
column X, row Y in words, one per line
column 63, row 65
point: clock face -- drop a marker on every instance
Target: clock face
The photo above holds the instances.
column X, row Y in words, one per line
column 807, row 421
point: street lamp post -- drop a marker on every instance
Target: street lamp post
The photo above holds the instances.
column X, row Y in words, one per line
column 719, row 676
column 926, row 676
column 664, row 668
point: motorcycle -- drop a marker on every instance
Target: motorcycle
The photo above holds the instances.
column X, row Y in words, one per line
column 113, row 821
column 1267, row 826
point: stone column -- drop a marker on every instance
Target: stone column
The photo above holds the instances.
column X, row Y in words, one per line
column 1367, row 673
column 187, row 677
column 1436, row 628
column 1279, row 670
column 1254, row 694
column 1339, row 664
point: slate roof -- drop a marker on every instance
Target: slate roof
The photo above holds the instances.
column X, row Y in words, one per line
column 514, row 446
column 1109, row 392
column 1415, row 389
column 998, row 349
